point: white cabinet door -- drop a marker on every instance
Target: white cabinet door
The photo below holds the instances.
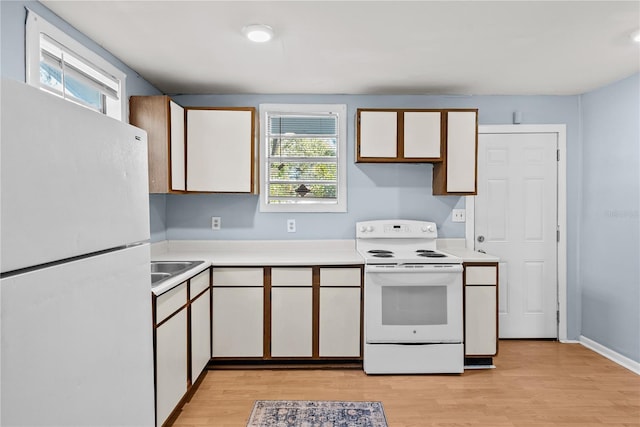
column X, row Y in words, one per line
column 237, row 322
column 220, row 150
column 177, row 144
column 378, row 134
column 422, row 136
column 291, row 322
column 339, row 322
column 171, row 364
column 200, row 334
column 461, row 151
column 480, row 320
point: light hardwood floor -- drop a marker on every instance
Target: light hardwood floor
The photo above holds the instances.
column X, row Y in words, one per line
column 536, row 383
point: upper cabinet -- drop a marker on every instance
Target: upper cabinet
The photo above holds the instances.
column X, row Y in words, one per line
column 448, row 138
column 163, row 120
column 221, row 150
column 196, row 149
column 399, row 135
column 456, row 174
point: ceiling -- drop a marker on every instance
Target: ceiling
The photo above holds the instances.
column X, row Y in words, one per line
column 367, row 47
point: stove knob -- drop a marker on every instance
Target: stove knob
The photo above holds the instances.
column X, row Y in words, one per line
column 430, row 228
column 370, row 228
column 363, row 228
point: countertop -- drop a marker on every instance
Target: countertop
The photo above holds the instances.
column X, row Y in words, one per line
column 245, row 253
column 469, row 255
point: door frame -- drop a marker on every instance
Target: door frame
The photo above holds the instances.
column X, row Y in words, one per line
column 561, row 131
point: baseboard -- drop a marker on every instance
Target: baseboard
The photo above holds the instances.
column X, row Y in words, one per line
column 618, row 358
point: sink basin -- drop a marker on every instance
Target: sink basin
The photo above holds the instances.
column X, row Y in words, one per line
column 171, row 267
column 159, row 277
column 163, row 270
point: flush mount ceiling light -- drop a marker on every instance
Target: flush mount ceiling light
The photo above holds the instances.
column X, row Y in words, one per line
column 258, row 33
column 635, row 36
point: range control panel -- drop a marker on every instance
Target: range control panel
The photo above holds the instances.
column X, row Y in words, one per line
column 396, row 229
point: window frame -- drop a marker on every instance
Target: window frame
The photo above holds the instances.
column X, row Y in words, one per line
column 341, row 153
column 35, row 26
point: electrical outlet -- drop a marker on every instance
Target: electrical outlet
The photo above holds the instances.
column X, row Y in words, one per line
column 291, row 225
column 216, row 223
column 458, row 215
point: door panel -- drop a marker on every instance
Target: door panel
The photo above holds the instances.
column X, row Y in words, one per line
column 516, row 215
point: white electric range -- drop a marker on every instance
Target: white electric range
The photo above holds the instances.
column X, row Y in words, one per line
column 412, row 299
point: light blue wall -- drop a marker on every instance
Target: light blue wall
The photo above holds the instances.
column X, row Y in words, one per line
column 609, row 262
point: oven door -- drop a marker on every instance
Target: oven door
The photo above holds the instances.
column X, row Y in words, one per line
column 413, row 304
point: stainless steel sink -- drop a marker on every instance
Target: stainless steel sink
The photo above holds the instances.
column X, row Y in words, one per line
column 163, row 270
column 159, row 277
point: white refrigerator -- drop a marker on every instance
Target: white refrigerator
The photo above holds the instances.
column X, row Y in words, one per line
column 75, row 293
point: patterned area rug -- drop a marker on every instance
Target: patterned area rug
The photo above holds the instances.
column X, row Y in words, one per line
column 316, row 413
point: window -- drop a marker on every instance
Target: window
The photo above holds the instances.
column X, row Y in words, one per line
column 60, row 65
column 304, row 158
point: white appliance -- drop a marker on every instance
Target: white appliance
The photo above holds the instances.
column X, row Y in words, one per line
column 77, row 344
column 412, row 300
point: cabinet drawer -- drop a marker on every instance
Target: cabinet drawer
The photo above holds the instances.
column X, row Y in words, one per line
column 340, row 277
column 237, row 276
column 199, row 283
column 480, row 275
column 292, row 276
column 170, row 302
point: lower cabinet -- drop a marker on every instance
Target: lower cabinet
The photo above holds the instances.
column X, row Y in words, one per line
column 340, row 317
column 287, row 312
column 200, row 322
column 291, row 322
column 182, row 341
column 237, row 324
column 171, row 364
column 481, row 310
column 339, row 322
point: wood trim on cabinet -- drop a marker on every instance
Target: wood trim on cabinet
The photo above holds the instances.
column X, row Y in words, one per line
column 155, row 351
column 315, row 314
column 151, row 114
column 400, row 134
column 188, row 307
column 266, row 312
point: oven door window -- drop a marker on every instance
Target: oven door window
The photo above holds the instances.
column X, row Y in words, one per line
column 414, row 305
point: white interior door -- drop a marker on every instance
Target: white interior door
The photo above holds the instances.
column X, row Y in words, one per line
column 516, row 218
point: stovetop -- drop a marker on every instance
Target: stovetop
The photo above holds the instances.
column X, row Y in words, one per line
column 400, row 242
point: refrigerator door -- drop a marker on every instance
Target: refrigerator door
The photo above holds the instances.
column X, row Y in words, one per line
column 72, row 181
column 77, row 343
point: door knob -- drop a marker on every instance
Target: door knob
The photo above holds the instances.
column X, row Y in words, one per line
column 480, row 239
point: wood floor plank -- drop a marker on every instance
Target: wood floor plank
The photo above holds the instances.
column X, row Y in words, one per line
column 536, row 384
